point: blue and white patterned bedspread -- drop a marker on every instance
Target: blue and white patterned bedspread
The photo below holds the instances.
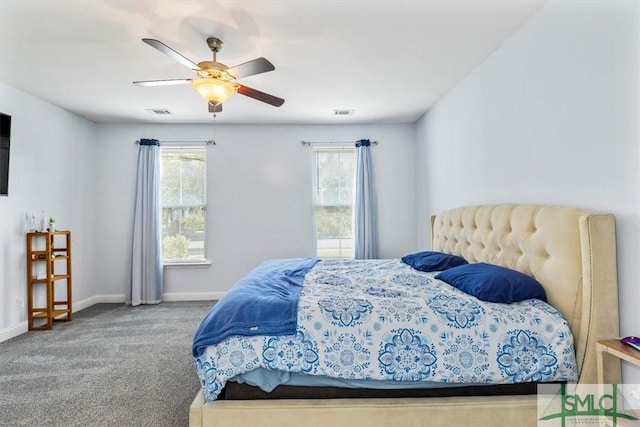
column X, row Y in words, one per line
column 383, row 320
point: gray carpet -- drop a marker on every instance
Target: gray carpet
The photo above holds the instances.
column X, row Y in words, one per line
column 112, row 365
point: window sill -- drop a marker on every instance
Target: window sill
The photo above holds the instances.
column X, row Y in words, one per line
column 187, row 264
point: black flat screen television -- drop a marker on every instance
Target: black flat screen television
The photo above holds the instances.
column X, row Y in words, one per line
column 5, row 146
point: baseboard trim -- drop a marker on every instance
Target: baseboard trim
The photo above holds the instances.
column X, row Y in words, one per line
column 98, row 299
column 192, row 296
column 23, row 327
column 13, row 331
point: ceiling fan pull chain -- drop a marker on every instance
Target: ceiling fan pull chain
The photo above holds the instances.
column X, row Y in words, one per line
column 214, row 128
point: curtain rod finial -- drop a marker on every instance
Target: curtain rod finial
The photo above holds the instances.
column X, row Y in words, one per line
column 309, row 143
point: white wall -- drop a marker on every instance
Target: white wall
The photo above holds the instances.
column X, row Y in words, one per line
column 551, row 117
column 52, row 165
column 259, row 195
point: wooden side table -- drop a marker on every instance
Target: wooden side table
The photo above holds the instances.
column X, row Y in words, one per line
column 49, row 248
column 615, row 348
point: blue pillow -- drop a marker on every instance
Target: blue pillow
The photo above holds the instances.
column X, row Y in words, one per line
column 432, row 261
column 493, row 283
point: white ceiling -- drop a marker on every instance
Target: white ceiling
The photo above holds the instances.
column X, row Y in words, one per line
column 387, row 60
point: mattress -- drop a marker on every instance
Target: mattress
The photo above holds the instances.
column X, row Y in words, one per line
column 242, row 391
column 382, row 322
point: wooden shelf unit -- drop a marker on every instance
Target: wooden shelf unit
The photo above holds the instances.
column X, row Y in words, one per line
column 53, row 248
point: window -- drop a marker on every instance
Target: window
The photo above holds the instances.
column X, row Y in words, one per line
column 333, row 175
column 184, row 203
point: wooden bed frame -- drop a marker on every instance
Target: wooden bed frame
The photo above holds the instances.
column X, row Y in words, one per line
column 570, row 251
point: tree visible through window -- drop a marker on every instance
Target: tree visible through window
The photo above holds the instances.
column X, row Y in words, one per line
column 334, row 171
column 184, row 203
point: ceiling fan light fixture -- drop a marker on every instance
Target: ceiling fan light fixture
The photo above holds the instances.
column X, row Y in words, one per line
column 214, row 90
column 215, row 82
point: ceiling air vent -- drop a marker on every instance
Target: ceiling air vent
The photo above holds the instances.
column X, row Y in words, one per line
column 158, row 111
column 343, row 112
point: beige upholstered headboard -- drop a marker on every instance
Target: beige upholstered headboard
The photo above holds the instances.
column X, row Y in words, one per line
column 571, row 252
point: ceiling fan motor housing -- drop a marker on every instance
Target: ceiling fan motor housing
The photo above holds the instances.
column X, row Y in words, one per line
column 215, row 44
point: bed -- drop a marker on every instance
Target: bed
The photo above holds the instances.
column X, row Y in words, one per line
column 569, row 251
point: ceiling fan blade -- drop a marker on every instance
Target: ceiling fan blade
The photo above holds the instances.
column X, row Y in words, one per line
column 162, row 82
column 171, row 53
column 255, row 66
column 260, row 96
column 215, row 108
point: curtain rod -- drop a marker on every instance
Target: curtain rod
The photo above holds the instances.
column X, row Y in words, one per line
column 208, row 142
column 333, row 142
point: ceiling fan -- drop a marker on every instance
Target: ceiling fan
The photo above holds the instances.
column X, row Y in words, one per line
column 216, row 81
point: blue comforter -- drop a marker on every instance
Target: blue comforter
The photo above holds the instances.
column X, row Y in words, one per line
column 382, row 320
column 264, row 302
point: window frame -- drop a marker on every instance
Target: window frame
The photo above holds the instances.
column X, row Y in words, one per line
column 196, row 262
column 314, row 166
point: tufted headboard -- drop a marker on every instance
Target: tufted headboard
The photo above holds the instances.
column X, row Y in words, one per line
column 571, row 252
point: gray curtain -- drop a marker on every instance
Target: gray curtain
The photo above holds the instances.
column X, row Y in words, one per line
column 365, row 215
column 146, row 257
